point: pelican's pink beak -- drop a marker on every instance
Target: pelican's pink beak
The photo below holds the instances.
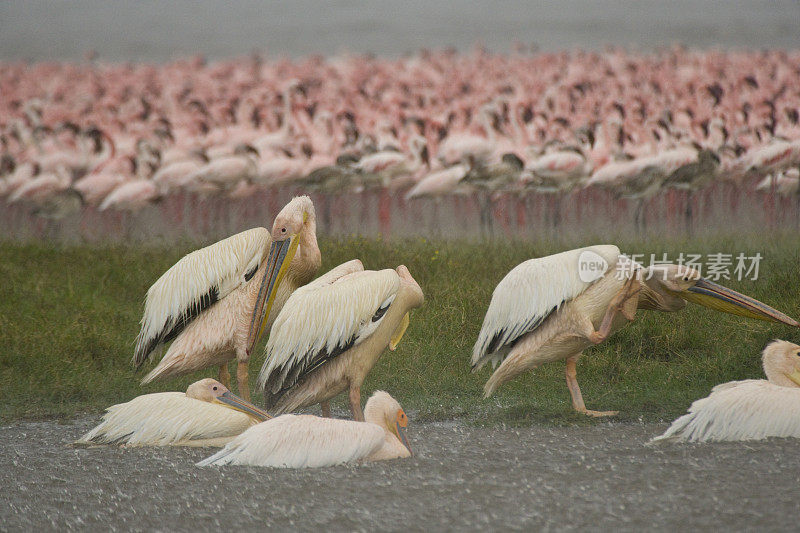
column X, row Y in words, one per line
column 229, row 399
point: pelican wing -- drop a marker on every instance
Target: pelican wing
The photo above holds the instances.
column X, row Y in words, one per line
column 166, row 418
column 530, row 293
column 300, row 441
column 322, row 320
column 753, row 409
column 196, row 282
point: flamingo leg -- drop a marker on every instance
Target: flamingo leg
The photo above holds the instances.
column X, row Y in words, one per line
column 241, row 379
column 326, row 408
column 355, row 403
column 575, row 390
column 225, row 375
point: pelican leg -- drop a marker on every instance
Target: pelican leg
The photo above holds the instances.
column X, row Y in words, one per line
column 326, row 408
column 241, row 379
column 624, row 303
column 575, row 390
column 355, row 403
column 225, row 375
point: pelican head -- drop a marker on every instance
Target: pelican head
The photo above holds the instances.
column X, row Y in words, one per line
column 384, row 411
column 669, row 287
column 295, row 226
column 781, row 360
column 212, row 391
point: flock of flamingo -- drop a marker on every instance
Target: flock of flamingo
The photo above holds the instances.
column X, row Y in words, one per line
column 325, row 335
column 431, row 124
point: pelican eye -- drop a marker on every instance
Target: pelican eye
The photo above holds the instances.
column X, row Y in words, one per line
column 283, row 230
column 215, row 387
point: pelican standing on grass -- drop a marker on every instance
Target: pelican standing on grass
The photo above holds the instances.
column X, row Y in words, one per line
column 330, row 334
column 216, row 302
column 752, row 409
column 207, row 415
column 552, row 308
column 306, row 441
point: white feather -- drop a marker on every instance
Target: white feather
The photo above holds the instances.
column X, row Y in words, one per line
column 301, row 441
column 222, row 265
column 753, row 409
column 328, row 313
column 166, row 418
column 528, row 294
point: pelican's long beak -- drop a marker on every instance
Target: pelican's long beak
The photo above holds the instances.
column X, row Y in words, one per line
column 280, row 257
column 398, row 333
column 401, row 432
column 234, row 402
column 795, row 376
column 714, row 296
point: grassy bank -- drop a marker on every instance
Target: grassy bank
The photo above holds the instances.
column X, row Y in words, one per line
column 68, row 318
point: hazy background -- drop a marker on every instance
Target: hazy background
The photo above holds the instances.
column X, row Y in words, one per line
column 151, row 30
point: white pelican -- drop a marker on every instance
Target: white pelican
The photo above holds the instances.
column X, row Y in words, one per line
column 208, row 414
column 553, row 308
column 330, row 334
column 307, row 441
column 752, row 409
column 217, row 301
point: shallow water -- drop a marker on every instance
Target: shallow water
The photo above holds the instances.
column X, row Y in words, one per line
column 153, row 30
column 462, row 477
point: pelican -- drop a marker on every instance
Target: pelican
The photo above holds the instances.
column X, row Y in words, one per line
column 216, row 302
column 553, row 308
column 207, row 415
column 752, row 409
column 330, row 334
column 307, row 441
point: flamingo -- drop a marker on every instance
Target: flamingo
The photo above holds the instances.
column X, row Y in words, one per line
column 96, row 186
column 330, row 333
column 306, row 441
column 391, row 164
column 786, row 183
column 216, row 302
column 225, row 172
column 180, row 173
column 208, row 414
column 458, row 147
column 280, row 138
column 446, row 181
column 38, row 188
column 752, row 409
column 553, row 308
column 131, row 195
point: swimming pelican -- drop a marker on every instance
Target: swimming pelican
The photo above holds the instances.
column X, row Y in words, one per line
column 752, row 409
column 330, row 334
column 216, row 302
column 553, row 308
column 306, row 441
column 208, row 414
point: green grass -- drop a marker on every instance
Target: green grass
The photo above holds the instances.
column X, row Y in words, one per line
column 69, row 315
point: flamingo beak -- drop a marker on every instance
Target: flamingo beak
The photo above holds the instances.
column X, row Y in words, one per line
column 401, row 432
column 280, row 257
column 234, row 402
column 714, row 296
